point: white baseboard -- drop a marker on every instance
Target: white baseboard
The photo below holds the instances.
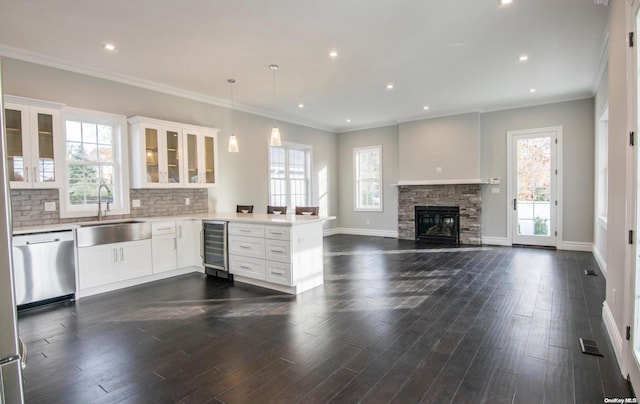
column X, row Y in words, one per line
column 575, row 246
column 496, row 241
column 614, row 335
column 600, row 260
column 362, row 232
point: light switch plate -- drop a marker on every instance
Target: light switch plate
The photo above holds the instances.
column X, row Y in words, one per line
column 187, row 201
column 494, row 180
column 49, row 206
column 438, row 169
column 135, row 203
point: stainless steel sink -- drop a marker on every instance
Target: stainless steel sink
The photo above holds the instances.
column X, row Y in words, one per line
column 112, row 232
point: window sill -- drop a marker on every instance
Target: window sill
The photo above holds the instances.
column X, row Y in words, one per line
column 74, row 214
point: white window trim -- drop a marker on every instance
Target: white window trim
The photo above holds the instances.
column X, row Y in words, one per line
column 121, row 146
column 290, row 145
column 356, row 150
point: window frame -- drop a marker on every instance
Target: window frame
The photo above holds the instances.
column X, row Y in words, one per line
column 120, row 167
column 356, row 196
column 308, row 150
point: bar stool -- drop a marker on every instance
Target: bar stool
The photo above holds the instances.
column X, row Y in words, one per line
column 271, row 210
column 307, row 210
column 244, row 208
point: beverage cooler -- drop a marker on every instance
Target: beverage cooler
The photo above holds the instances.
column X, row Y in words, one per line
column 214, row 249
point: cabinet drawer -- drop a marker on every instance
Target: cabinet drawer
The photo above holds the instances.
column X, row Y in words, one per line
column 277, row 250
column 158, row 228
column 276, row 232
column 278, row 272
column 246, row 246
column 243, row 229
column 249, row 267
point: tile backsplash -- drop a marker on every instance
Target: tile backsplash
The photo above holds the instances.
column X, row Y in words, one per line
column 27, row 205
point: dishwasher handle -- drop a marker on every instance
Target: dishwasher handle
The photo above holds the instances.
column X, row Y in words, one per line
column 55, row 240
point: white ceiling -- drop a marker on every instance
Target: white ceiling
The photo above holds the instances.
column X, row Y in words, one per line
column 453, row 55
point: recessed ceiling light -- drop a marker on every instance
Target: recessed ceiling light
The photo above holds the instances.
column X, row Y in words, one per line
column 301, row 105
column 505, row 2
column 523, row 58
column 333, row 54
column 109, row 46
column 348, row 120
column 389, row 86
column 426, row 107
column 532, row 90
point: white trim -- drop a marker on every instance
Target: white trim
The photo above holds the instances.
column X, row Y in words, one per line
column 575, row 246
column 558, row 178
column 356, row 151
column 20, row 54
column 600, row 260
column 614, row 336
column 362, row 232
column 603, row 61
column 501, row 241
column 331, row 231
column 442, row 182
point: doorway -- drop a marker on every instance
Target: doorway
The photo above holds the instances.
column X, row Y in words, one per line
column 533, row 215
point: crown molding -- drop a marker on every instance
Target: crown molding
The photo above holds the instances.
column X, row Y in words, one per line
column 36, row 58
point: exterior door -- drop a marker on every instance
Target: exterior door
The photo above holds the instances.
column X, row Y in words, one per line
column 533, row 178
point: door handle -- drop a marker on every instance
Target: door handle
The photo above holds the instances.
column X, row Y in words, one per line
column 121, row 254
column 515, row 204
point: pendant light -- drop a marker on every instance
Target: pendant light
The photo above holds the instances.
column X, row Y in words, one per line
column 233, row 140
column 275, row 141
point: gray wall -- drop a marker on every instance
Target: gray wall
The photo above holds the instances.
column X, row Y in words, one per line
column 452, row 143
column 577, row 120
column 242, row 176
column 387, row 220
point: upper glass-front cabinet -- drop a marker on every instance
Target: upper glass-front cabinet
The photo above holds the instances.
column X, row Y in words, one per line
column 33, row 156
column 170, row 154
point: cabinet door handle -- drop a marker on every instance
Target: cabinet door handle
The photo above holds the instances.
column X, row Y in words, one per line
column 515, row 204
column 121, row 254
column 277, row 273
column 26, row 174
column 164, row 228
column 276, row 251
column 35, row 175
column 246, row 247
column 277, row 233
column 115, row 255
column 175, row 243
column 245, row 267
column 180, row 231
column 245, row 230
column 202, row 243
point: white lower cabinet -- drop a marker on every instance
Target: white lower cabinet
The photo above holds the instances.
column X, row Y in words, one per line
column 108, row 263
column 278, row 272
column 164, row 246
column 185, row 242
column 246, row 266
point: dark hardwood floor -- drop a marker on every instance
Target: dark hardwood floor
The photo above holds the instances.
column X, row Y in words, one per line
column 393, row 323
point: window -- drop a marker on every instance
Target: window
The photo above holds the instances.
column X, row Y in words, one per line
column 95, row 154
column 289, row 168
column 367, row 167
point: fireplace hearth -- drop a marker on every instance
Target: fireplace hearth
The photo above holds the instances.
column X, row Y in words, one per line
column 438, row 224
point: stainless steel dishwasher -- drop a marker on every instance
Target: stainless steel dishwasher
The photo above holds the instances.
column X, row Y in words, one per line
column 44, row 267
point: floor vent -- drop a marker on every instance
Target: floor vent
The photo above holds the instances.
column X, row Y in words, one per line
column 589, row 347
column 590, row 272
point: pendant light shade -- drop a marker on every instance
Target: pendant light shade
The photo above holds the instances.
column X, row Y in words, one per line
column 233, row 143
column 233, row 140
column 275, row 140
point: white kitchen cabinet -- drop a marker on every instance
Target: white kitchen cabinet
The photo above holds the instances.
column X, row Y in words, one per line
column 168, row 154
column 164, row 246
column 108, row 263
column 201, row 161
column 33, row 133
column 198, row 244
column 185, row 242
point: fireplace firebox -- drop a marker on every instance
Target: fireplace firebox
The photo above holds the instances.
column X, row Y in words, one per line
column 438, row 224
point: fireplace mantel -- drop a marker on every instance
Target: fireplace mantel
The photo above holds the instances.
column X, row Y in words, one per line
column 441, row 182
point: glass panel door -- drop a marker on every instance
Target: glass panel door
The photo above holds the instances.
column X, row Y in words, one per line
column 533, row 200
column 151, row 145
column 15, row 151
column 209, row 163
column 46, row 166
column 173, row 157
column 192, row 159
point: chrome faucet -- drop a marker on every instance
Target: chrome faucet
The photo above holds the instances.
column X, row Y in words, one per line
column 100, row 213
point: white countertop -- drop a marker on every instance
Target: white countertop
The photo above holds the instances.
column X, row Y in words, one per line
column 259, row 218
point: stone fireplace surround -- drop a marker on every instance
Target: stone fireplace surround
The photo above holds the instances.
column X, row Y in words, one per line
column 466, row 196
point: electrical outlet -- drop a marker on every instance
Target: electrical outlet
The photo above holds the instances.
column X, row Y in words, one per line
column 495, row 190
column 135, row 203
column 49, row 206
column 187, row 201
column 438, row 169
column 368, row 222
